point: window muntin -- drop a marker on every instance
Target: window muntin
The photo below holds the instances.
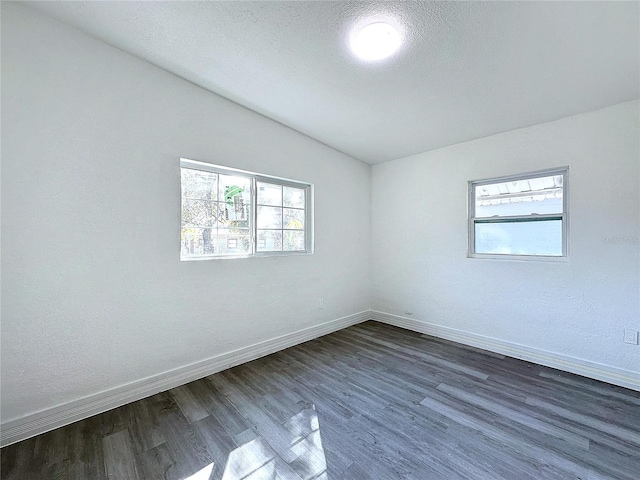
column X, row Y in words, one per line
column 519, row 216
column 231, row 213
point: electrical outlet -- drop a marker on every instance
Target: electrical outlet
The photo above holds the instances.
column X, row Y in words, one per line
column 321, row 303
column 631, row 336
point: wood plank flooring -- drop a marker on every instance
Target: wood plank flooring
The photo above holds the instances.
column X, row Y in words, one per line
column 368, row 402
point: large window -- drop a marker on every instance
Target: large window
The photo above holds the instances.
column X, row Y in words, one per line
column 522, row 216
column 232, row 213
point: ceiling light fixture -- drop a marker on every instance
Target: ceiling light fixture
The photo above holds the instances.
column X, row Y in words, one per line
column 376, row 41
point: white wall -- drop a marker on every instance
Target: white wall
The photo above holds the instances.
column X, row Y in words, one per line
column 577, row 309
column 93, row 292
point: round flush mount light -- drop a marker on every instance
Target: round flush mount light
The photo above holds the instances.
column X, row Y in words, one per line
column 375, row 41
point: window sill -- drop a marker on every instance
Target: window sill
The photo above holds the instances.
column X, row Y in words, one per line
column 519, row 258
column 233, row 257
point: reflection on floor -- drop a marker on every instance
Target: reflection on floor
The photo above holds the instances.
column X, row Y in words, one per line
column 368, row 402
column 302, row 453
column 257, row 459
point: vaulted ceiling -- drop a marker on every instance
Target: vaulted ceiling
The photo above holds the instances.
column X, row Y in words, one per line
column 465, row 70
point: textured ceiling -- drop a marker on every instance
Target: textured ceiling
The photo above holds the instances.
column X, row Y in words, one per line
column 466, row 69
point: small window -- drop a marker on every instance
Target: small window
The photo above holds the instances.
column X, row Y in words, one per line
column 522, row 216
column 232, row 213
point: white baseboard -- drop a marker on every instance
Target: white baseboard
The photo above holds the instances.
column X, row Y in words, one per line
column 605, row 373
column 43, row 421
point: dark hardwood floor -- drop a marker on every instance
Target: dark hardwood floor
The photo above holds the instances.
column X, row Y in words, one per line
column 368, row 402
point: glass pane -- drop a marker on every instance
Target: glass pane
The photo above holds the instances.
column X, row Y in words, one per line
column 235, row 213
column 269, row 194
column 197, row 241
column 293, row 197
column 232, row 186
column 269, row 217
column 233, row 241
column 293, row 241
column 198, row 213
column 269, row 240
column 520, row 238
column 523, row 197
column 293, row 218
column 199, row 184
column 235, row 223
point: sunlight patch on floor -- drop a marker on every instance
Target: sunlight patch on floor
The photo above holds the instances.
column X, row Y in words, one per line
column 202, row 474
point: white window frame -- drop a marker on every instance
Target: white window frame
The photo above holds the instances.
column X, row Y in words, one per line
column 564, row 216
column 254, row 179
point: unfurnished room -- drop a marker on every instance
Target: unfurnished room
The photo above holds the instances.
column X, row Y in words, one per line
column 320, row 240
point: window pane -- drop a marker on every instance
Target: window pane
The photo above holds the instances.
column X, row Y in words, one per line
column 235, row 213
column 235, row 223
column 269, row 240
column 232, row 186
column 198, row 213
column 269, row 217
column 197, row 241
column 233, row 241
column 293, row 240
column 522, row 197
column 269, row 194
column 198, row 184
column 293, row 197
column 520, row 238
column 293, row 219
